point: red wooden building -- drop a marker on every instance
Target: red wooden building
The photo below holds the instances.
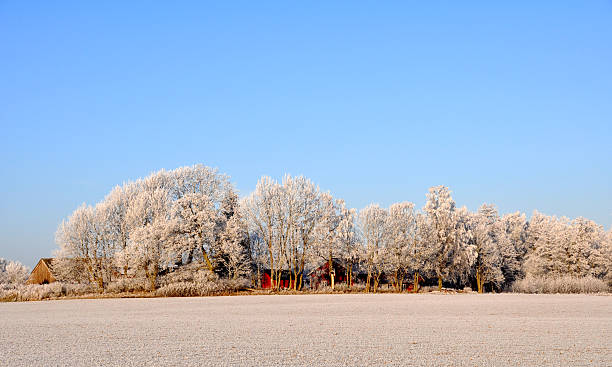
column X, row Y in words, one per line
column 409, row 287
column 320, row 276
column 287, row 280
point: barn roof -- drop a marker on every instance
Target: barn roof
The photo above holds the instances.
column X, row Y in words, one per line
column 42, row 272
column 48, row 261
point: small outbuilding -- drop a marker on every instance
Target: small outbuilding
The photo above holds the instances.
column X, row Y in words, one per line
column 321, row 276
column 287, row 280
column 42, row 272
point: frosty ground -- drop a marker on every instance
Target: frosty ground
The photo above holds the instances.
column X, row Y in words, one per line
column 317, row 330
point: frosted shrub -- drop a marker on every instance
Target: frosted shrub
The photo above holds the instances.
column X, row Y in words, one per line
column 9, row 295
column 234, row 285
column 559, row 284
column 199, row 283
column 37, row 292
column 427, row 289
column 73, row 290
column 127, row 286
column 358, row 287
column 323, row 289
column 341, row 287
column 178, row 289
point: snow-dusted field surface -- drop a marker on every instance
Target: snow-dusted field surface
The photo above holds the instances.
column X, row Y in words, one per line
column 314, row 330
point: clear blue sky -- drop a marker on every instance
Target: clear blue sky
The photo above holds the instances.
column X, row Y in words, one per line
column 505, row 103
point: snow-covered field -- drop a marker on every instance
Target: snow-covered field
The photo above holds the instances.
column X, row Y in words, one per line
column 315, row 330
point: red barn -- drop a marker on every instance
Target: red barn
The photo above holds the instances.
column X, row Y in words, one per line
column 287, row 279
column 410, row 286
column 320, row 276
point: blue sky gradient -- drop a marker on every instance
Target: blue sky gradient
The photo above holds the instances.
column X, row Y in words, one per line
column 505, row 103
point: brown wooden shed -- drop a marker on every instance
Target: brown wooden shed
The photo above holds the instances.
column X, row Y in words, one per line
column 42, row 272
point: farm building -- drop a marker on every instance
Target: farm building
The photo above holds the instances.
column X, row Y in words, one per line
column 287, row 280
column 42, row 272
column 409, row 284
column 321, row 277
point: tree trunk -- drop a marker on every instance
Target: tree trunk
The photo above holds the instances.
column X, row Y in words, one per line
column 396, row 280
column 348, row 284
column 350, row 277
column 299, row 287
column 330, row 270
column 439, row 283
column 152, row 276
column 415, row 286
column 479, row 280
column 208, row 263
column 279, row 276
column 302, row 272
column 92, row 274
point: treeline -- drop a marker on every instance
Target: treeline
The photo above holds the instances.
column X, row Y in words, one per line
column 191, row 218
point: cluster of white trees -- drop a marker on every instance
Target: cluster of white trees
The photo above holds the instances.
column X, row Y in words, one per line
column 146, row 227
column 192, row 214
column 12, row 272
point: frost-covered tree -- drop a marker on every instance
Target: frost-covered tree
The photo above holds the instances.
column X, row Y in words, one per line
column 448, row 236
column 513, row 246
column 606, row 252
column 84, row 236
column 401, row 236
column 585, row 253
column 465, row 255
column 192, row 228
column 564, row 247
column 487, row 237
column 537, row 227
column 326, row 245
column 269, row 211
column 308, row 211
column 258, row 255
column 420, row 250
column 348, row 242
column 202, row 201
column 230, row 248
column 117, row 203
column 372, row 222
column 145, row 226
column 544, row 233
column 234, row 245
column 12, row 272
column 295, row 222
column 148, row 218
